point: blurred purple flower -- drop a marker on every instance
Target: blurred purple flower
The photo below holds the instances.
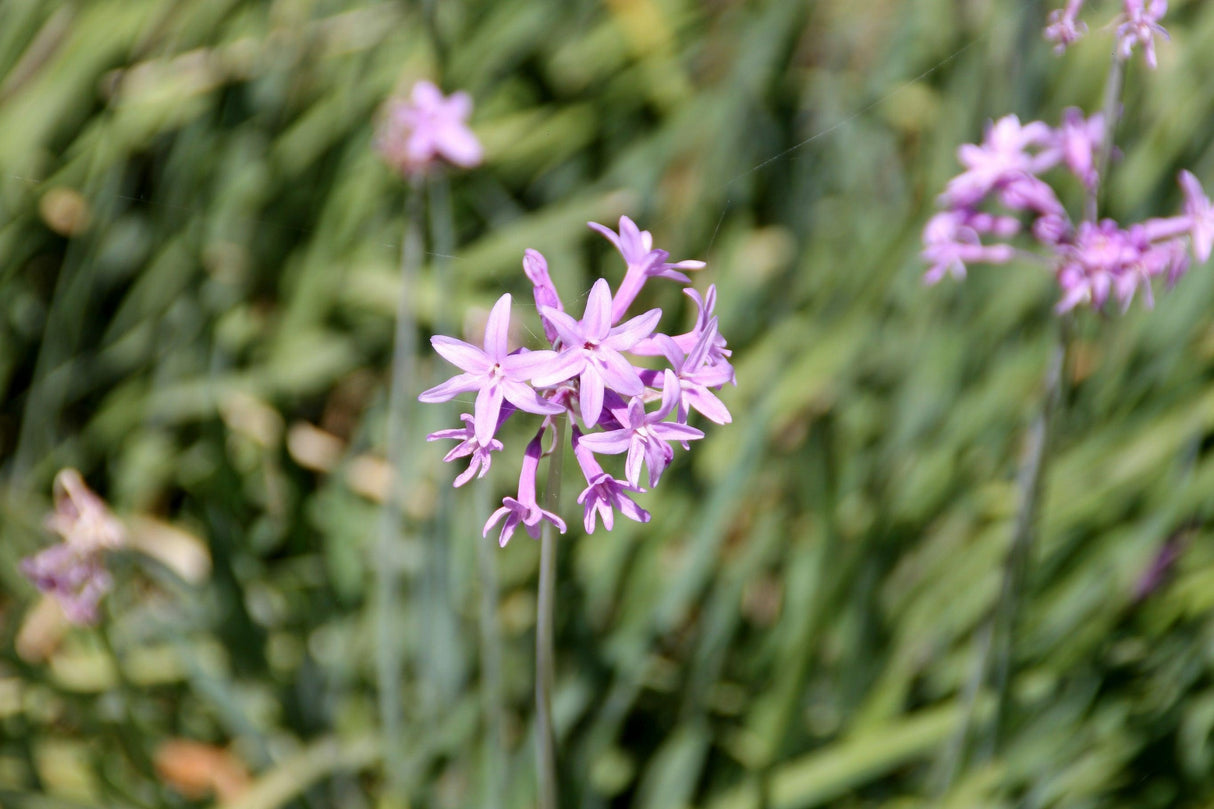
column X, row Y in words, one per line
column 1064, row 27
column 1140, row 24
column 416, row 132
column 73, row 572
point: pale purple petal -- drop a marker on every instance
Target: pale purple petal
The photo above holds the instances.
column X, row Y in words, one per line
column 707, row 404
column 526, row 364
column 456, row 142
column 512, row 521
column 612, row 442
column 565, row 365
column 524, row 397
column 632, row 465
column 607, row 232
column 596, row 322
column 461, row 383
column 671, row 431
column 617, row 373
column 629, row 333
column 591, row 396
column 570, row 330
column 497, row 330
column 462, row 355
column 488, row 404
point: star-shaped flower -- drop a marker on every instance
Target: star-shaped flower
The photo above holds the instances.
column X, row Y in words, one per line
column 591, row 349
column 644, row 436
column 468, row 445
column 644, row 262
column 494, row 373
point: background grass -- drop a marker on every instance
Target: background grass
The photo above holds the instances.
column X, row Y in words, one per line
column 198, row 277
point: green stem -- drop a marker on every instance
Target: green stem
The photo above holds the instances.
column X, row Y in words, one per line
column 491, row 665
column 389, row 648
column 1032, row 472
column 1112, row 99
column 545, row 748
column 440, row 655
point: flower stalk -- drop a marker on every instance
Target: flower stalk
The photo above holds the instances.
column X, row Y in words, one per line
column 388, row 648
column 545, row 744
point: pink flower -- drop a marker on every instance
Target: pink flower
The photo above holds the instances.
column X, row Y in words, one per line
column 644, row 262
column 1064, row 27
column 494, row 373
column 952, row 240
column 1077, row 142
column 645, row 436
column 73, row 572
column 603, row 493
column 469, row 445
column 523, row 510
column 415, row 133
column 1140, row 23
column 1001, row 158
column 590, row 349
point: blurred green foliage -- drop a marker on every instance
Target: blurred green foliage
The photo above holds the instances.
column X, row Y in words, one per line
column 198, row 277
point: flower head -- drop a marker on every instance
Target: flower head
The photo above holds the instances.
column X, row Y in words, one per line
column 417, row 132
column 1140, row 24
column 73, row 572
column 1064, row 27
column 588, row 372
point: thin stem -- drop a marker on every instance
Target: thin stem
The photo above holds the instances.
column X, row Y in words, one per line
column 995, row 637
column 1110, row 110
column 1032, row 473
column 389, row 648
column 491, row 665
column 441, row 654
column 545, row 748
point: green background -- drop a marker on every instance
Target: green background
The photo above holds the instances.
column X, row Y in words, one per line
column 198, row 270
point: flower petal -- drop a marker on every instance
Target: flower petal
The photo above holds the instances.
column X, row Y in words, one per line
column 612, row 442
column 524, row 397
column 460, row 383
column 590, row 396
column 565, row 365
column 497, row 330
column 464, row 356
column 596, row 322
column 617, row 373
column 569, row 330
column 488, row 405
column 629, row 333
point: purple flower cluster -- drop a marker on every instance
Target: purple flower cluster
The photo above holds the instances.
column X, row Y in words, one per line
column 1137, row 25
column 590, row 373
column 1092, row 261
column 416, row 132
column 73, row 572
